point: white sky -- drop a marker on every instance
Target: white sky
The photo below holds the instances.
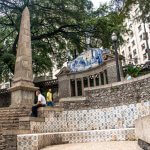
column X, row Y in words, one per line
column 97, row 2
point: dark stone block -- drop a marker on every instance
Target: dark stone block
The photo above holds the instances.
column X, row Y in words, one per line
column 144, row 145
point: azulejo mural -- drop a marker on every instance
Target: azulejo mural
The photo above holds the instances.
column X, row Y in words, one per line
column 88, row 59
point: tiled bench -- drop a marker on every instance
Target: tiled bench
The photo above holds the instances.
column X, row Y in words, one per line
column 40, row 140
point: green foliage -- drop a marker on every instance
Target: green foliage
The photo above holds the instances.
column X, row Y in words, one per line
column 102, row 23
column 133, row 71
column 54, row 25
column 57, row 26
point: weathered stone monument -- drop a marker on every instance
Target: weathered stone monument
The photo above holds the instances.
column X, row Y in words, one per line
column 107, row 114
column 22, row 90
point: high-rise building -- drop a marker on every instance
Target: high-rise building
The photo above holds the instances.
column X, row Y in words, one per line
column 134, row 48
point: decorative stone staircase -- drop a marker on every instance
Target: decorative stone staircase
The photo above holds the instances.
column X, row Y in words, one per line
column 57, row 125
column 113, row 145
column 82, row 125
column 9, row 126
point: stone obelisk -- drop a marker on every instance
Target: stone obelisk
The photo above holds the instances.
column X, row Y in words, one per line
column 22, row 90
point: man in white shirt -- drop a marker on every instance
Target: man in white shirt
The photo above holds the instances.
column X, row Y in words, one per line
column 40, row 103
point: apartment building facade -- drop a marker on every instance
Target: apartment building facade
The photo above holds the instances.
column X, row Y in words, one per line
column 134, row 48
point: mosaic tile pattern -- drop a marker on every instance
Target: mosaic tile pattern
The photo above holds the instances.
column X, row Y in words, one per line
column 37, row 141
column 96, row 119
column 27, row 142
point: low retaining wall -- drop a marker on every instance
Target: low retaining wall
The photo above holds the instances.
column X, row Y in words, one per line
column 38, row 141
column 95, row 119
column 120, row 93
column 109, row 113
column 111, row 95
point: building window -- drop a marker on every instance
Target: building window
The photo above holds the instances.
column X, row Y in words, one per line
column 128, row 40
column 106, row 76
column 141, row 37
column 134, row 52
column 123, row 53
column 133, row 43
column 130, row 56
column 72, row 82
column 79, row 87
column 131, row 34
column 145, row 36
column 143, row 46
column 91, row 81
column 129, row 48
column 97, row 79
column 135, row 60
column 85, row 81
column 144, row 56
column 102, row 78
column 139, row 28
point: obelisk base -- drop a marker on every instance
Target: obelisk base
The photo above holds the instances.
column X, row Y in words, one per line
column 22, row 96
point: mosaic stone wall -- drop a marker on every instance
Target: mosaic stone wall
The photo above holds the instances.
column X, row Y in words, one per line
column 96, row 119
column 37, row 141
column 115, row 94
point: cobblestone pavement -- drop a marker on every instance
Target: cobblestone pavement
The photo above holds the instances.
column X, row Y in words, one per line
column 122, row 145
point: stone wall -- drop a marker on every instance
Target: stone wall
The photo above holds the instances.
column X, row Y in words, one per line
column 9, row 125
column 64, row 88
column 108, row 114
column 80, row 126
column 120, row 93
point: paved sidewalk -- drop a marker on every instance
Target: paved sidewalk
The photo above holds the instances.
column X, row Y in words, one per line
column 121, row 145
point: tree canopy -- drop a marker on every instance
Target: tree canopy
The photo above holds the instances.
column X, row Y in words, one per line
column 57, row 27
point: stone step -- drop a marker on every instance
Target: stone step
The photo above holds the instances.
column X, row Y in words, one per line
column 13, row 113
column 8, row 127
column 35, row 119
column 13, row 110
column 11, row 117
column 25, row 122
column 10, row 122
column 115, row 145
column 48, row 139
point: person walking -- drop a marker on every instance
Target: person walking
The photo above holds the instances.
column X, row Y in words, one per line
column 49, row 97
column 40, row 103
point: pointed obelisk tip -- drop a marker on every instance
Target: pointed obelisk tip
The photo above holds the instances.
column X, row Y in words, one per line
column 26, row 10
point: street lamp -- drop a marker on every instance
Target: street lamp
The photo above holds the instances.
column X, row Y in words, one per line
column 114, row 39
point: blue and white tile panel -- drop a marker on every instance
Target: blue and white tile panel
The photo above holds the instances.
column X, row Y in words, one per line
column 96, row 119
column 40, row 140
